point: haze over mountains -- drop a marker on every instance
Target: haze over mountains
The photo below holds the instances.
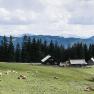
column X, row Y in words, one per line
column 60, row 40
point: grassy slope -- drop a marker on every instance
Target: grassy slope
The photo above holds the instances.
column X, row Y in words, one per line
column 40, row 79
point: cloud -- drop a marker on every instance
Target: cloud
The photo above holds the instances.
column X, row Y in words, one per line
column 36, row 5
column 54, row 17
column 82, row 12
column 16, row 17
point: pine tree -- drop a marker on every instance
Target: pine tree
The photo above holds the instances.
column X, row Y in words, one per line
column 4, row 49
column 86, row 53
column 10, row 50
column 28, row 49
column 51, row 48
column 40, row 53
column 24, row 52
column 18, row 53
column 34, row 51
column 44, row 48
column 91, row 50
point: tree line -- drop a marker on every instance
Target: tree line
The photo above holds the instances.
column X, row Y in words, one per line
column 33, row 50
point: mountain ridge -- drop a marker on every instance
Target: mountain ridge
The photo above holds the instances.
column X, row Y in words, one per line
column 59, row 39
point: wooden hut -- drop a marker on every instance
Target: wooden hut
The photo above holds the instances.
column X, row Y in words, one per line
column 49, row 60
column 77, row 63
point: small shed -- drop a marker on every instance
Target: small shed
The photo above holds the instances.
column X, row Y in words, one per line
column 49, row 60
column 45, row 58
column 91, row 61
column 77, row 63
column 64, row 64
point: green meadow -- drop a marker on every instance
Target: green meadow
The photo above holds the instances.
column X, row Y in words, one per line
column 41, row 79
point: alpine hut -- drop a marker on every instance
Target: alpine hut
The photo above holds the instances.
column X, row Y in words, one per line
column 49, row 60
column 77, row 63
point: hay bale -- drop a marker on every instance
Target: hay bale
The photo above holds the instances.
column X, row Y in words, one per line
column 1, row 74
column 89, row 88
column 19, row 77
column 56, row 77
column 16, row 72
column 13, row 71
column 86, row 89
column 22, row 77
column 6, row 73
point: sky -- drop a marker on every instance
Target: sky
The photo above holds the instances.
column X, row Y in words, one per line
column 68, row 18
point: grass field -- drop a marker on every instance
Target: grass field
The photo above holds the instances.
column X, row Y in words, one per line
column 45, row 79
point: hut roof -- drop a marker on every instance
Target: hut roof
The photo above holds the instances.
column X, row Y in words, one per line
column 46, row 58
column 80, row 61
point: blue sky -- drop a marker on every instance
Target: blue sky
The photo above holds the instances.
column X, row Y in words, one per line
column 47, row 17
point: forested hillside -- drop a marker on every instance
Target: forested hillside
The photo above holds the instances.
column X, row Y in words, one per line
column 33, row 50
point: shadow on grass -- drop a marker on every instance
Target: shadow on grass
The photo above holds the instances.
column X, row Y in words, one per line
column 90, row 79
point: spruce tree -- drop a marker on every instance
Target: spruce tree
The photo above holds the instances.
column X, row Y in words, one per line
column 10, row 50
column 18, row 53
column 24, row 52
column 4, row 49
column 28, row 49
column 34, row 51
column 86, row 53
